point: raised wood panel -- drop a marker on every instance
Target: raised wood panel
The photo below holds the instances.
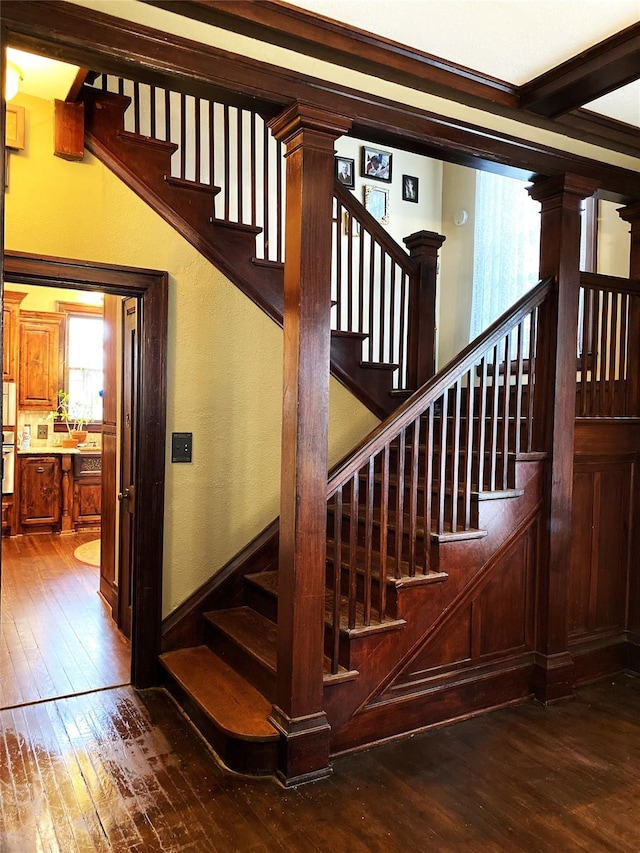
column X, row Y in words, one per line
column 41, row 348
column 39, row 491
column 87, row 502
column 600, row 546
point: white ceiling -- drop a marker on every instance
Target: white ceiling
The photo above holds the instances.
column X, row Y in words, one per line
column 513, row 40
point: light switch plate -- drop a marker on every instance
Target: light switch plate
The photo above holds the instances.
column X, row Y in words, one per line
column 43, row 431
column 181, row 446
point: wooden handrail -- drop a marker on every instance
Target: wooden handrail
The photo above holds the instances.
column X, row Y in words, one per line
column 610, row 282
column 432, row 390
column 375, row 229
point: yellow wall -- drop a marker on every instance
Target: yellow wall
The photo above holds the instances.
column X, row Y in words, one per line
column 224, row 354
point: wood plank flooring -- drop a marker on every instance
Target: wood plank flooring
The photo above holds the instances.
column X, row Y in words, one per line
column 119, row 770
column 57, row 637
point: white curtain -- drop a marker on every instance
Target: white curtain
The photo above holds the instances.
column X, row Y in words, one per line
column 506, row 247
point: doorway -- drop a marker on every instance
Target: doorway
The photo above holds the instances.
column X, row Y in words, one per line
column 149, row 290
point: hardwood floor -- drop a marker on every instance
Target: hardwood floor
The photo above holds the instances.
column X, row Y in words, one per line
column 119, row 770
column 56, row 635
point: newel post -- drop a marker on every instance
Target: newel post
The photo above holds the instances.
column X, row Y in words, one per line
column 423, row 248
column 631, row 214
column 309, row 135
column 554, row 414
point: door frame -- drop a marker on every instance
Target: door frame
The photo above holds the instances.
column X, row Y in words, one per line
column 151, row 288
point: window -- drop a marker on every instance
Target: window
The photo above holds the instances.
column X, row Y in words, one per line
column 83, row 366
column 506, row 247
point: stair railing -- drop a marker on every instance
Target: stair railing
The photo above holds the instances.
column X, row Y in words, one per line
column 412, row 479
column 371, row 285
column 218, row 145
column 608, row 347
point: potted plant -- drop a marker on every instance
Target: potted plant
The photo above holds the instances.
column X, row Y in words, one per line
column 75, row 433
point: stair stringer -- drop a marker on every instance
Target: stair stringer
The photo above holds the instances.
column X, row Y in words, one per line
column 361, row 712
column 188, row 208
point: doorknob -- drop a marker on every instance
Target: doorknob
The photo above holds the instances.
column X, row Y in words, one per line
column 127, row 495
column 123, row 496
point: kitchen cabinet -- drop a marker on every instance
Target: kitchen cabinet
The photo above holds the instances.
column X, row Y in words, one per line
column 40, row 480
column 87, row 491
column 41, row 349
column 11, row 332
column 7, row 514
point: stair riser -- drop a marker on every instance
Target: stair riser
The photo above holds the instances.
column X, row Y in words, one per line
column 262, row 600
column 238, row 658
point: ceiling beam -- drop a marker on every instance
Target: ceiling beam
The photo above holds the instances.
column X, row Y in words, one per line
column 114, row 45
column 597, row 71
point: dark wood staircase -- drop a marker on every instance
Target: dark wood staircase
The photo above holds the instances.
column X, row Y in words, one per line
column 144, row 164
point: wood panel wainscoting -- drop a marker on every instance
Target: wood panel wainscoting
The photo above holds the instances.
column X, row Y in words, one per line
column 604, row 575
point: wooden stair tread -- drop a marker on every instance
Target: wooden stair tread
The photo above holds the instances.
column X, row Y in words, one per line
column 225, row 697
column 250, row 630
column 183, row 183
column 237, row 226
column 268, row 581
column 146, row 141
column 405, row 578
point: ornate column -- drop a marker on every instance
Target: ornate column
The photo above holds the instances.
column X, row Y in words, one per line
column 423, row 248
column 309, row 135
column 555, row 403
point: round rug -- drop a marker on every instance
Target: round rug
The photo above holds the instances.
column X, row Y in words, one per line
column 89, row 553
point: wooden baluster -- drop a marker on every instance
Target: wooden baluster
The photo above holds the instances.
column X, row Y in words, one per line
column 337, row 574
column 482, row 421
column 368, row 540
column 212, row 146
column 136, row 106
column 413, row 496
column 167, row 115
column 493, row 447
column 310, row 135
column 183, row 136
column 361, row 280
column 240, row 163
column 353, row 548
column 153, row 112
column 399, row 508
column 197, row 109
column 442, row 476
column 384, row 531
column 382, row 280
column 369, row 286
column 604, row 352
column 585, row 356
column 351, row 321
column 621, row 396
column 227, row 165
column 279, row 205
column 613, row 343
column 561, row 198
column 506, row 394
column 254, row 178
column 468, row 468
column 337, row 259
column 403, row 379
column 455, row 453
column 519, row 387
column 265, row 192
column 533, row 366
column 595, row 351
column 423, row 249
column 428, row 487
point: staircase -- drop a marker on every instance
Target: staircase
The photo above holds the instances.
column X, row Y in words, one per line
column 431, row 528
column 432, row 522
column 238, row 224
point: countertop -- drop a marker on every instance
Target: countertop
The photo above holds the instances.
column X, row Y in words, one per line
column 56, row 449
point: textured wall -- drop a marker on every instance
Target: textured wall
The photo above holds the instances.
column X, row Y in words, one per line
column 224, row 354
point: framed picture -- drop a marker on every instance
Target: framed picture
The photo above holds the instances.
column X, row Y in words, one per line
column 376, row 201
column 376, row 164
column 346, row 171
column 14, row 130
column 409, row 188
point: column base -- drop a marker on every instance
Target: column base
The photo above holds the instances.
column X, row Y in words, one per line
column 304, row 747
column 553, row 677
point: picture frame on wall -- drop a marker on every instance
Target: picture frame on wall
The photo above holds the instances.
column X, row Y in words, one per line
column 376, row 164
column 346, row 171
column 14, row 127
column 409, row 188
column 376, row 202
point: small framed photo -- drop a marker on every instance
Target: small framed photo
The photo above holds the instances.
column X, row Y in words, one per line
column 345, row 171
column 14, row 128
column 376, row 164
column 376, row 201
column 409, row 188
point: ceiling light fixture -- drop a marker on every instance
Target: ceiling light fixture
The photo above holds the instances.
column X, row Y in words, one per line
column 13, row 78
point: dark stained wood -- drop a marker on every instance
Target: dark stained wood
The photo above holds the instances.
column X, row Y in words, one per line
column 423, row 248
column 631, row 214
column 95, row 40
column 56, row 635
column 600, row 69
column 42, row 336
column 39, row 479
column 555, row 395
column 151, row 286
column 315, row 35
column 111, row 314
column 10, row 336
column 309, row 136
column 68, row 130
column 135, row 777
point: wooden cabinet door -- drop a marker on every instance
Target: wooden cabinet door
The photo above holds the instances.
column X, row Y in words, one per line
column 86, row 502
column 41, row 348
column 10, row 331
column 39, row 490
